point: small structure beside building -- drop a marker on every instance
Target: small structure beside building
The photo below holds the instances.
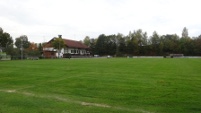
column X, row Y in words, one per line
column 72, row 49
column 174, row 56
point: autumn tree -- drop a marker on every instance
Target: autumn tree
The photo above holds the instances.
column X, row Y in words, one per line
column 33, row 50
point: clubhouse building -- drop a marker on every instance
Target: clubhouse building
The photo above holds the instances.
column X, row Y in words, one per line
column 72, row 48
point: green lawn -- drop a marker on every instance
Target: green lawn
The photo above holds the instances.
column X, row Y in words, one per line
column 116, row 85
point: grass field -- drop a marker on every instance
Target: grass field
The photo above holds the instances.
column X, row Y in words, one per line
column 116, row 85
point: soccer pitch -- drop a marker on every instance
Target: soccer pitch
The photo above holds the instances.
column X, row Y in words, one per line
column 100, row 85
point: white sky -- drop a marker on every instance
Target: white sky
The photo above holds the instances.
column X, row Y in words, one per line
column 42, row 20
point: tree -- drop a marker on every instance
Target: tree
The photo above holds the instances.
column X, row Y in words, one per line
column 100, row 45
column 156, row 44
column 15, row 53
column 144, row 44
column 185, row 43
column 106, row 45
column 33, row 50
column 58, row 44
column 120, row 44
column 130, row 47
column 9, row 50
column 93, row 46
column 139, row 40
column 87, row 40
column 184, row 33
column 1, row 30
column 111, row 44
column 40, row 47
column 171, row 43
column 129, row 44
column 197, row 42
column 22, row 41
column 5, row 40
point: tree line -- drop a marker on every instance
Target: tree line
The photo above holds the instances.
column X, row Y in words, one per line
column 21, row 47
column 136, row 43
column 139, row 44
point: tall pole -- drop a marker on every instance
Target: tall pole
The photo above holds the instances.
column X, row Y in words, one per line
column 0, row 48
column 6, row 49
column 21, row 48
column 59, row 49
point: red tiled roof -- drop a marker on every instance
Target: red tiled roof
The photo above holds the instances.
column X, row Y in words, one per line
column 47, row 44
column 69, row 43
column 74, row 44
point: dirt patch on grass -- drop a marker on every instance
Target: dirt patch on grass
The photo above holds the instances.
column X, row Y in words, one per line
column 59, row 98
column 8, row 91
column 95, row 104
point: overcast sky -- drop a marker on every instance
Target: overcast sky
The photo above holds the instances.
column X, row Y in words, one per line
column 42, row 20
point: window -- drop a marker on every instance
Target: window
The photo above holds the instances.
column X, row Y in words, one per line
column 72, row 51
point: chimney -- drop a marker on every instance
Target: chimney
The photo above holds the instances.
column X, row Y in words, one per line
column 60, row 36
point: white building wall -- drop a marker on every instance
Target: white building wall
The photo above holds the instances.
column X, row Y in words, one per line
column 71, row 51
column 49, row 49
